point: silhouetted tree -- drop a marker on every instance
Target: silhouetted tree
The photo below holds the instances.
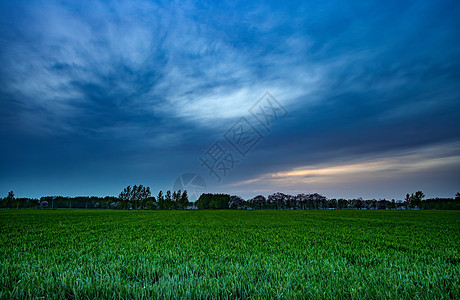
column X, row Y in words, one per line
column 414, row 200
column 9, row 200
column 370, row 204
column 258, row 201
column 291, row 201
column 150, row 203
column 392, row 204
column 168, row 200
column 342, row 203
column 183, row 201
column 204, row 201
column 408, row 200
column 213, row 201
column 301, row 199
column 278, row 200
column 418, row 197
column 161, row 200
column 139, row 197
column 108, row 200
column 176, row 199
column 144, row 197
column 358, row 203
column 125, row 196
column 383, row 204
column 236, row 202
column 136, row 196
column 318, row 200
column 333, row 203
column 174, row 196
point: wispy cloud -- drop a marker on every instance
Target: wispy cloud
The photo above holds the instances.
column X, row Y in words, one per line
column 323, row 177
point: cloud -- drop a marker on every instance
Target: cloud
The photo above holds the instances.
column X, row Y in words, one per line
column 124, row 79
column 373, row 171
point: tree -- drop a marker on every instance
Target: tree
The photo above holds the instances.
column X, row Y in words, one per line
column 161, row 200
column 309, row 201
column 213, row 201
column 168, row 200
column 125, row 196
column 358, row 203
column 259, row 201
column 414, row 200
column 418, row 197
column 333, row 203
column 383, row 204
column 342, row 203
column 235, row 202
column 408, row 200
column 144, row 197
column 183, row 201
column 204, row 201
column 370, row 204
column 136, row 196
column 301, row 199
column 318, row 201
column 108, row 200
column 271, row 199
column 220, row 201
column 10, row 199
column 392, row 204
column 174, row 196
column 175, row 199
column 457, row 197
column 278, row 200
column 151, row 202
column 291, row 201
column 321, row 199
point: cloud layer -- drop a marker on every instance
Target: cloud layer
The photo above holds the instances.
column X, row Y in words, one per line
column 99, row 95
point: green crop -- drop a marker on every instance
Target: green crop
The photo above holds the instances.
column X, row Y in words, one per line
column 229, row 254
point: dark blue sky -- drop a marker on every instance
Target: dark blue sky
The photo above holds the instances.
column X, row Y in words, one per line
column 98, row 95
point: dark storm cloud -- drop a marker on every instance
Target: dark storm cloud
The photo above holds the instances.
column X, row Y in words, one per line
column 99, row 95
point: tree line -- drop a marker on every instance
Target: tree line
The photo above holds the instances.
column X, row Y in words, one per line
column 317, row 201
column 139, row 197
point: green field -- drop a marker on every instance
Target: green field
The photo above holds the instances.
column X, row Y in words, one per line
column 231, row 254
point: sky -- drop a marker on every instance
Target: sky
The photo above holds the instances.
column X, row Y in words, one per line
column 343, row 98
